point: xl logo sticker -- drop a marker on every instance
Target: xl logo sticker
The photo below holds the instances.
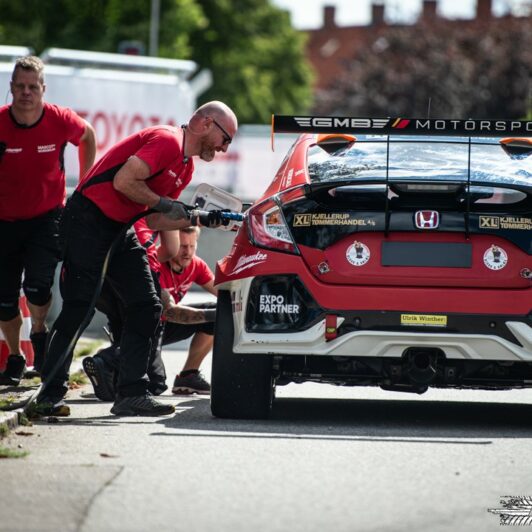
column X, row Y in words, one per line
column 302, row 220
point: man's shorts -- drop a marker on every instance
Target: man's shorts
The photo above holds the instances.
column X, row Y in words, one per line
column 33, row 247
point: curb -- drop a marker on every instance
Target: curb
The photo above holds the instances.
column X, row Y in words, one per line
column 9, row 421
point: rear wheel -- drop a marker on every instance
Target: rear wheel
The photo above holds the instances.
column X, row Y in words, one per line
column 241, row 384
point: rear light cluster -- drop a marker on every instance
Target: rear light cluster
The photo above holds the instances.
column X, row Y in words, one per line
column 268, row 228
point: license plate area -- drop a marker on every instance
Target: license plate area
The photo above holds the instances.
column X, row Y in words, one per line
column 426, row 254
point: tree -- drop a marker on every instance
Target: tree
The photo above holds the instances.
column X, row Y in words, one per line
column 256, row 57
column 466, row 72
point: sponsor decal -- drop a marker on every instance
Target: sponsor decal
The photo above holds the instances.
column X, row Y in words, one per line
column 505, row 222
column 358, row 254
column 424, row 320
column 340, row 218
column 287, row 179
column 332, row 122
column 427, row 219
column 495, row 258
column 248, row 261
column 13, row 150
column 46, row 148
column 299, row 172
column 276, row 304
column 424, row 125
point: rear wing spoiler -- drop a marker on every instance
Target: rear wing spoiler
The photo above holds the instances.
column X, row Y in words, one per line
column 519, row 132
column 401, row 126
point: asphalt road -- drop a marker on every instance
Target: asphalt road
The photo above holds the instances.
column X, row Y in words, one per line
column 329, row 459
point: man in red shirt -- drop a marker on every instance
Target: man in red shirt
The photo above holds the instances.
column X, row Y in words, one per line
column 180, row 322
column 148, row 169
column 33, row 137
column 176, row 278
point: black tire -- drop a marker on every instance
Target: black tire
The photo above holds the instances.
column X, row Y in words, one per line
column 241, row 384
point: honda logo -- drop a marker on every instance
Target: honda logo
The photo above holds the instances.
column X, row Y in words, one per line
column 427, row 219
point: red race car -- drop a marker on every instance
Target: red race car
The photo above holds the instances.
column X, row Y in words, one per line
column 399, row 258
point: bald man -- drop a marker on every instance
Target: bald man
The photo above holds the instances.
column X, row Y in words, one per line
column 148, row 169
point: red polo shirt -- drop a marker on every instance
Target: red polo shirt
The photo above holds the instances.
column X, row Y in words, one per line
column 32, row 173
column 160, row 147
column 178, row 284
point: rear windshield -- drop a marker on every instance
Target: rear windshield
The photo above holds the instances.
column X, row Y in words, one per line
column 431, row 158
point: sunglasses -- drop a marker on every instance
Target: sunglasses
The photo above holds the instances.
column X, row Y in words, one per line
column 227, row 138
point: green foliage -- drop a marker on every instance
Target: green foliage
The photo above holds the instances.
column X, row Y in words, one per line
column 465, row 71
column 86, row 347
column 256, row 57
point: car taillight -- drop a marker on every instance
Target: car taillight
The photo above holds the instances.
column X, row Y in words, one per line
column 268, row 229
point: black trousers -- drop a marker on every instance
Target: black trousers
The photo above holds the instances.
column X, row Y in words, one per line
column 88, row 235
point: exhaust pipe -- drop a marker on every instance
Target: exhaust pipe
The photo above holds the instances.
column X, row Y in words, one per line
column 422, row 364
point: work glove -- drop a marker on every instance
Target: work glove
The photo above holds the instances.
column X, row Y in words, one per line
column 214, row 218
column 175, row 210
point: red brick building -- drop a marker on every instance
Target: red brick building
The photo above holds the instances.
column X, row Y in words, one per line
column 331, row 48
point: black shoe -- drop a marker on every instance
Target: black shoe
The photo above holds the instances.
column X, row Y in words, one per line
column 16, row 364
column 38, row 341
column 140, row 405
column 101, row 377
column 51, row 406
column 191, row 383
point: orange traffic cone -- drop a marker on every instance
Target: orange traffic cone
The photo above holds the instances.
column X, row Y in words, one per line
column 25, row 342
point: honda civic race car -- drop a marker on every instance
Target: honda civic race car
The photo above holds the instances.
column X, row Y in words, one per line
column 385, row 252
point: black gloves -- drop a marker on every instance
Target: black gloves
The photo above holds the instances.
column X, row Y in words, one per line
column 173, row 209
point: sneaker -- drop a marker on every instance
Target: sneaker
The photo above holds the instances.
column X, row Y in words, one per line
column 101, row 377
column 16, row 364
column 38, row 341
column 140, row 405
column 191, row 383
column 51, row 406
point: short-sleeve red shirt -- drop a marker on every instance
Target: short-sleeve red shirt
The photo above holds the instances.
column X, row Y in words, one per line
column 178, row 284
column 32, row 173
column 148, row 239
column 160, row 147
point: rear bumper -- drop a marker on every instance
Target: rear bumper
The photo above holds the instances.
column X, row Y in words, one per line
column 387, row 342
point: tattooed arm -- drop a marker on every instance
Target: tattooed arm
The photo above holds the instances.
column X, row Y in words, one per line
column 189, row 315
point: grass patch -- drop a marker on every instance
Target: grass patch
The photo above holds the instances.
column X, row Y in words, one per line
column 6, row 401
column 77, row 379
column 86, row 348
column 12, row 453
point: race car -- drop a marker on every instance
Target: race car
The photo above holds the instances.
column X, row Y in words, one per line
column 389, row 252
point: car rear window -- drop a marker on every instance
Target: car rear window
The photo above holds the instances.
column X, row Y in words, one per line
column 424, row 158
